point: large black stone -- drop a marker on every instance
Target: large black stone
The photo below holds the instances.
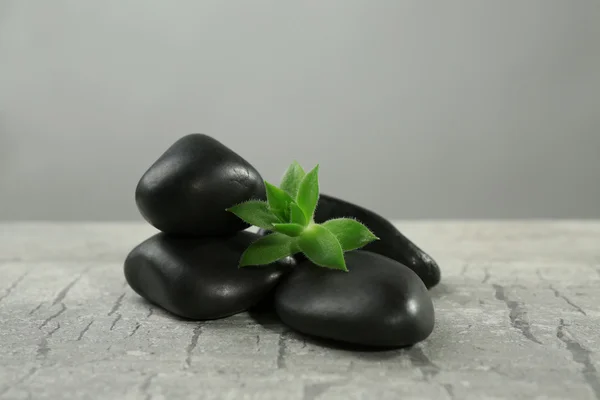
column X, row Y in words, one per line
column 392, row 243
column 199, row 278
column 378, row 302
column 186, row 191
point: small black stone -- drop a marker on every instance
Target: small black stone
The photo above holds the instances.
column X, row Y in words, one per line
column 392, row 243
column 378, row 302
column 187, row 190
column 199, row 278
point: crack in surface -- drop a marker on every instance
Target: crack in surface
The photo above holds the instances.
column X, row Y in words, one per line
column 420, row 360
column 12, row 287
column 498, row 371
column 59, row 299
column 450, row 390
column 137, row 326
column 22, row 379
column 192, row 345
column 517, row 314
column 486, row 276
column 428, row 368
column 146, row 385
column 580, row 355
column 566, row 299
column 117, row 305
column 84, row 331
column 114, row 323
column 63, row 293
column 63, row 308
column 559, row 295
column 37, row 308
column 281, row 350
column 539, row 274
column 43, row 348
column 150, row 312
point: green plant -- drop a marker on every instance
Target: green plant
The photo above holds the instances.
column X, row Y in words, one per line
column 289, row 213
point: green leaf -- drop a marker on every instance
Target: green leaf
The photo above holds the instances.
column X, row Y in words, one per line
column 279, row 202
column 308, row 193
column 289, row 229
column 292, row 178
column 322, row 248
column 350, row 233
column 255, row 212
column 268, row 249
column 297, row 215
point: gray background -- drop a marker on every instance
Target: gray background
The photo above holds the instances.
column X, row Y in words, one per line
column 418, row 109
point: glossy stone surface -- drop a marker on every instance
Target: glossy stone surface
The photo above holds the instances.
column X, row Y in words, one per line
column 199, row 278
column 379, row 302
column 392, row 243
column 186, row 191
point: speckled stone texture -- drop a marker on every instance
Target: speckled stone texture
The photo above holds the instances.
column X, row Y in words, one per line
column 517, row 317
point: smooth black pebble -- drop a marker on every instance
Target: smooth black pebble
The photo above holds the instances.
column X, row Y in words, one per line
column 199, row 278
column 378, row 302
column 392, row 243
column 187, row 190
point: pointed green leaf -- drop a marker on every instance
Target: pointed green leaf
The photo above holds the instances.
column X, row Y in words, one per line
column 292, row 178
column 308, row 193
column 255, row 212
column 289, row 229
column 268, row 249
column 350, row 233
column 322, row 248
column 279, row 202
column 297, row 215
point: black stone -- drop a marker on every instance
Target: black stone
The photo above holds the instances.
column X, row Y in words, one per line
column 186, row 191
column 392, row 243
column 199, row 278
column 379, row 302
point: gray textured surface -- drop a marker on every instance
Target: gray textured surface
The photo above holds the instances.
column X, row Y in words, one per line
column 518, row 317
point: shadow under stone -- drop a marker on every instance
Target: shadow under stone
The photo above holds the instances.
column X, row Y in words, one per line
column 360, row 351
column 269, row 320
column 264, row 315
column 154, row 309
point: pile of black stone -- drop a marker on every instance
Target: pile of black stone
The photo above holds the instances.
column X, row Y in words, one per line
column 191, row 268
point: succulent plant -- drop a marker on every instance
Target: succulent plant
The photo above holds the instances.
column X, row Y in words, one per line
column 289, row 214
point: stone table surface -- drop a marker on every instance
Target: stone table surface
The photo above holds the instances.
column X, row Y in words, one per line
column 517, row 317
